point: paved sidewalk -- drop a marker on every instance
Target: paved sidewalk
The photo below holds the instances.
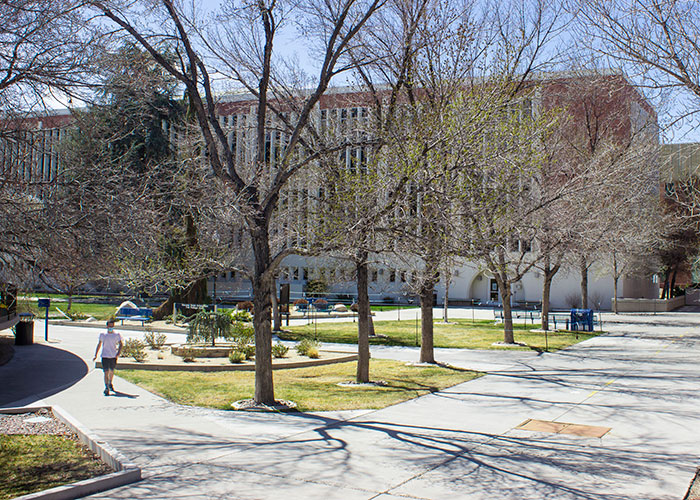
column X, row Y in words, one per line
column 641, row 380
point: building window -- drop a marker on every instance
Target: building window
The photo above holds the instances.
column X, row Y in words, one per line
column 392, row 276
column 296, row 274
column 305, row 273
column 375, row 275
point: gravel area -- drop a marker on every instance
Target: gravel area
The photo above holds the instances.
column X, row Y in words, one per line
column 39, row 422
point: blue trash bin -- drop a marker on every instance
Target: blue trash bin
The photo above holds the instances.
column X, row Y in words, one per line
column 582, row 320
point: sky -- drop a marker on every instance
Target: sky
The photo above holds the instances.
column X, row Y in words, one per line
column 669, row 107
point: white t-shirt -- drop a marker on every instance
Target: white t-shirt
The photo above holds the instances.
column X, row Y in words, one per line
column 110, row 344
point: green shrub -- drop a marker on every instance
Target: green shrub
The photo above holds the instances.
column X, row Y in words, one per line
column 312, row 353
column 248, row 350
column 279, row 350
column 236, row 356
column 134, row 348
column 316, row 287
column 155, row 340
column 208, row 326
column 241, row 316
column 242, row 333
column 307, row 344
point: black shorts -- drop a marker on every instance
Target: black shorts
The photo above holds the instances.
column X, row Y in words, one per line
column 109, row 364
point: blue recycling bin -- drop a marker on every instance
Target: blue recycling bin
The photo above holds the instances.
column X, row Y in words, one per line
column 582, row 320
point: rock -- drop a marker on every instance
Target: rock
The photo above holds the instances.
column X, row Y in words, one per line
column 341, row 308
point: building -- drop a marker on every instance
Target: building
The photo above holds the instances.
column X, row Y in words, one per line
column 609, row 103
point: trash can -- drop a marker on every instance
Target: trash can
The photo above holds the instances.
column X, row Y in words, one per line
column 25, row 329
column 582, row 320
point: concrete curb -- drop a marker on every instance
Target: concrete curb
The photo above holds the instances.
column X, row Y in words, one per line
column 126, row 472
column 193, row 367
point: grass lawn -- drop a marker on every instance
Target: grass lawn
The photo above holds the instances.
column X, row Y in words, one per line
column 312, row 389
column 35, row 463
column 98, row 311
column 458, row 333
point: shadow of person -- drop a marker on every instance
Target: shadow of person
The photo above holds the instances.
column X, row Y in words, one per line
column 123, row 395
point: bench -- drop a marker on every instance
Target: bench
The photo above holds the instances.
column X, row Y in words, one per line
column 561, row 317
column 532, row 315
column 141, row 314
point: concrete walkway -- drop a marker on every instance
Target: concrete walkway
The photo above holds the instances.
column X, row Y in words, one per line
column 641, row 380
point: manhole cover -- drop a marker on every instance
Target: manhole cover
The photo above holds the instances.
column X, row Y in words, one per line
column 564, row 428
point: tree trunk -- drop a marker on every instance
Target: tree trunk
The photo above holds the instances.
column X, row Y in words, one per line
column 427, row 353
column 447, row 298
column 276, row 316
column 673, row 281
column 508, row 336
column 584, row 283
column 194, row 293
column 546, row 289
column 615, row 279
column 549, row 271
column 70, row 300
column 363, row 319
column 262, row 287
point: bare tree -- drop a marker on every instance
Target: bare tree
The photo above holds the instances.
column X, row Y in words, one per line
column 45, row 49
column 501, row 198
column 242, row 47
column 655, row 40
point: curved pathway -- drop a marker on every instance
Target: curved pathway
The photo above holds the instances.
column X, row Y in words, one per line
column 640, row 381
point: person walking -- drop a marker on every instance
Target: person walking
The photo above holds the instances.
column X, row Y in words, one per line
column 111, row 343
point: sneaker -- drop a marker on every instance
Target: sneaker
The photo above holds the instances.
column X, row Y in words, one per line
column 106, row 392
column 111, row 388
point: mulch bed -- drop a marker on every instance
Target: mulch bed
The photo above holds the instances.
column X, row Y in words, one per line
column 27, row 424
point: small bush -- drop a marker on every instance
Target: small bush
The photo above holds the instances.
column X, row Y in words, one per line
column 139, row 356
column 355, row 307
column 321, row 303
column 312, row 353
column 301, row 302
column 76, row 316
column 241, row 316
column 279, row 350
column 236, row 356
column 245, row 306
column 573, row 300
column 248, row 351
column 188, row 355
column 307, row 344
column 134, row 348
column 155, row 340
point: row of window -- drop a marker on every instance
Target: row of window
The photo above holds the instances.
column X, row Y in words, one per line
column 334, row 275
column 31, row 155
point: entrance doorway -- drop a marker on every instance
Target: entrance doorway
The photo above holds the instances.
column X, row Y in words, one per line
column 493, row 290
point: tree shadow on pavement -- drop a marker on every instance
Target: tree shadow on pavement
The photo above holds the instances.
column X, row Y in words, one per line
column 37, row 371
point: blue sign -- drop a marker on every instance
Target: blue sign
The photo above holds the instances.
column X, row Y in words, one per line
column 44, row 302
